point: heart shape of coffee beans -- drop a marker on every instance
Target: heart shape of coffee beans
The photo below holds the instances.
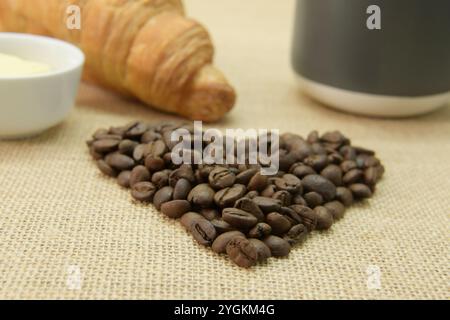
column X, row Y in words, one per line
column 235, row 209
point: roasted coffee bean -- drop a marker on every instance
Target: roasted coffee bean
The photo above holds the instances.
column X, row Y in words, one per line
column 309, row 219
column 334, row 137
column 371, row 176
column 333, row 173
column 188, row 219
column 290, row 183
column 371, row 161
column 246, row 204
column 105, row 145
column 336, row 208
column 202, row 195
column 335, row 158
column 239, row 218
column 221, row 177
column 242, row 252
column 300, row 170
column 127, row 147
column 124, row 179
column 261, row 230
column 99, row 133
column 154, row 164
column 210, row 213
column 269, row 191
column 258, row 182
column 361, row 160
column 222, row 226
column 220, row 243
column 313, row 199
column 161, row 196
column 252, row 194
column 228, row 196
column 317, row 149
column 348, row 165
column 106, row 168
column 139, row 174
column 278, row 246
column 203, row 231
column 120, row 161
column 298, row 199
column 94, row 154
column 141, row 151
column 245, row 176
column 360, row 191
column 262, row 249
column 296, row 235
column 160, row 179
column 184, row 172
column 348, row 152
column 135, row 130
column 313, row 137
column 317, row 161
column 344, row 195
column 143, row 191
column 267, row 205
column 361, row 150
column 284, row 197
column 321, row 185
column 181, row 189
column 290, row 213
column 324, row 218
column 279, row 223
column 353, row 176
column 176, row 208
column 119, row 131
column 150, row 136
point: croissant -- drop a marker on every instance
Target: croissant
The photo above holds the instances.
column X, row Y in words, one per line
column 143, row 48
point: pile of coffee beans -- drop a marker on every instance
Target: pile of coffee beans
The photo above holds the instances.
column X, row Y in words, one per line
column 234, row 209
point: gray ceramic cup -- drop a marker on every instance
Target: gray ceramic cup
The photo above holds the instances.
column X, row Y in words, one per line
column 374, row 57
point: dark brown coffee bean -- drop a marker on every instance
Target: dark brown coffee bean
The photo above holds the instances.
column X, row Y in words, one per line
column 203, row 231
column 143, row 191
column 371, row 176
column 242, row 252
column 210, row 213
column 124, row 179
column 290, row 183
column 127, row 147
column 269, row 191
column 181, row 189
column 252, row 194
column 361, row 160
column 139, row 174
column 188, row 219
column 313, row 137
column 298, row 199
column 141, row 151
column 360, row 191
column 239, row 218
column 334, row 137
column 161, row 196
column 154, row 164
column 371, row 161
column 220, row 243
column 324, row 218
column 258, row 182
column 135, row 130
column 267, row 205
column 278, row 246
column 353, row 176
column 344, row 195
column 313, row 199
column 321, row 185
column 364, row 151
column 318, row 149
column 120, row 161
column 105, row 145
column 348, row 152
column 119, row 131
column 336, row 208
column 222, row 226
column 221, row 177
column 296, row 235
column 309, row 219
column 263, row 251
column 335, row 158
column 202, row 195
column 228, row 196
column 160, row 178
column 245, row 176
column 333, row 173
column 261, row 230
column 300, row 170
column 246, row 204
column 284, row 197
column 94, row 154
column 279, row 223
column 293, row 217
column 317, row 161
column 176, row 208
column 106, row 168
column 98, row 134
column 150, row 136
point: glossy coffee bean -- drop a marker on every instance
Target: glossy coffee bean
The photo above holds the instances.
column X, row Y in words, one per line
column 290, row 183
column 160, row 178
column 220, row 243
column 239, row 218
column 188, row 218
column 258, row 182
column 278, row 246
column 123, row 179
column 307, row 216
column 317, row 161
column 267, row 205
column 360, row 191
column 320, row 185
column 324, row 218
column 210, row 213
column 336, row 208
column 242, row 252
column 176, row 208
column 278, row 222
column 161, row 196
column 120, row 161
column 344, row 195
column 203, row 231
column 154, row 164
column 222, row 226
column 202, row 195
column 313, row 199
column 143, row 191
column 353, row 176
column 301, row 170
column 221, row 177
column 263, row 251
column 249, row 206
column 260, row 231
column 181, row 189
column 139, row 174
column 296, row 235
column 105, row 145
column 245, row 176
column 228, row 196
column 333, row 173
column 127, row 147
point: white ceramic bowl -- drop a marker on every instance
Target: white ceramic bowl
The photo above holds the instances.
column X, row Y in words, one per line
column 32, row 104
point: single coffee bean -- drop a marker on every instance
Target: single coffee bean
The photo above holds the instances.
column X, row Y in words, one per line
column 203, row 231
column 228, row 196
column 120, row 161
column 267, row 205
column 202, row 195
column 348, row 165
column 296, row 235
column 361, row 150
column 298, row 199
column 242, row 252
column 143, row 191
column 141, row 151
column 261, row 230
column 269, row 191
column 283, row 196
column 245, row 176
column 318, row 149
column 220, row 243
column 188, row 218
column 321, row 185
column 290, row 214
column 317, row 161
column 258, row 182
column 160, row 178
column 361, row 160
column 184, row 172
column 279, row 223
column 154, row 163
column 106, row 168
column 371, row 161
column 127, row 147
column 324, row 218
column 300, row 170
column 161, row 196
column 262, row 249
column 246, row 204
column 335, row 158
column 290, row 183
column 336, row 208
column 360, row 191
column 334, row 137
column 239, row 218
column 278, row 246
column 150, row 136
column 176, row 208
column 210, row 213
column 371, row 176
column 353, row 176
column 348, row 152
column 105, row 145
column 344, row 195
column 313, row 199
column 222, row 226
column 118, row 131
column 333, row 173
column 135, row 130
column 181, row 189
column 139, row 174
column 309, row 219
column 99, row 133
column 124, row 179
column 94, row 154
column 221, row 177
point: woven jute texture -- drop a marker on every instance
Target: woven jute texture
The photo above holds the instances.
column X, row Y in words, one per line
column 68, row 232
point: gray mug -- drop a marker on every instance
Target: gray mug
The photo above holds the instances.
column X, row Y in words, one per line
column 374, row 57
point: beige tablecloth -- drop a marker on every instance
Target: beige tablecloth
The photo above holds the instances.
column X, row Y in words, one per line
column 68, row 232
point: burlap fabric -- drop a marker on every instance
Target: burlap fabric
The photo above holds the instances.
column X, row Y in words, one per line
column 68, row 232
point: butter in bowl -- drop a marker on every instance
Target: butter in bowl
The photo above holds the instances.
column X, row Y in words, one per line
column 39, row 80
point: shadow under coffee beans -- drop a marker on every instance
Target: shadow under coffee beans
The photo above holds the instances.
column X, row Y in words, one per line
column 234, row 208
